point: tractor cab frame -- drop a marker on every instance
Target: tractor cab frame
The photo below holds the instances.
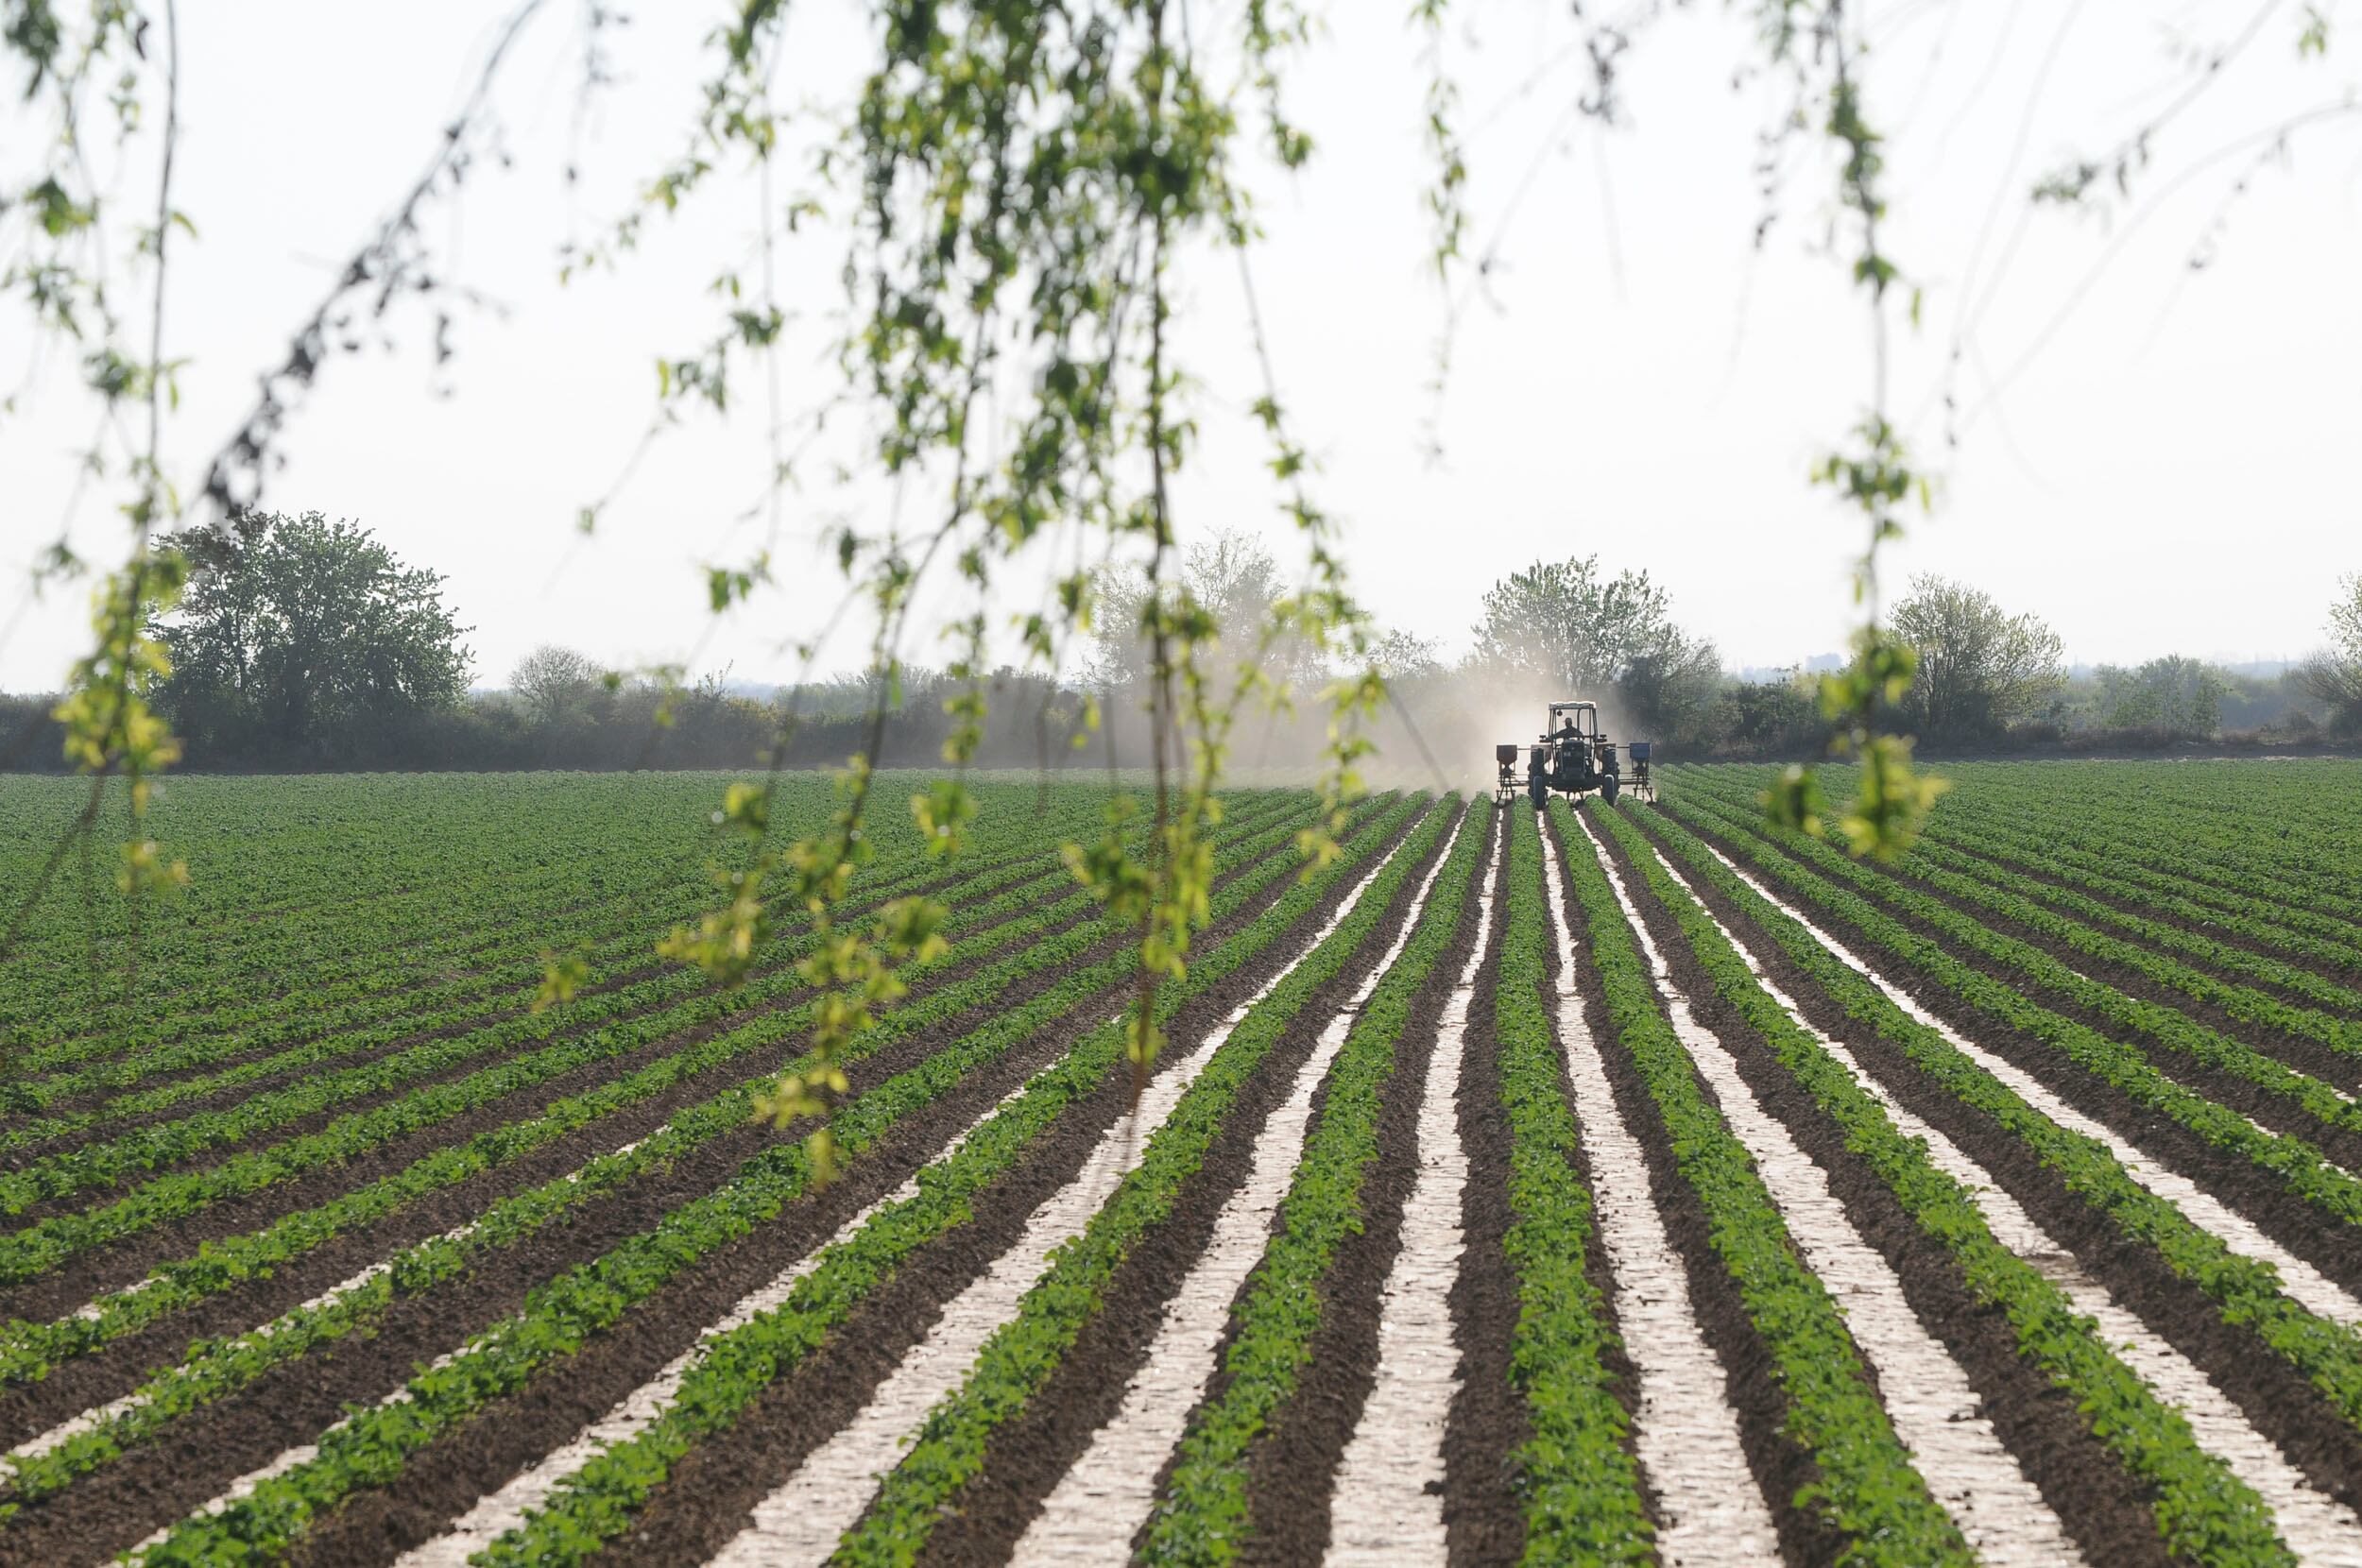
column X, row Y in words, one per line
column 1573, row 757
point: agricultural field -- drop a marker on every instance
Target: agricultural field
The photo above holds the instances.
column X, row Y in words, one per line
column 1596, row 1184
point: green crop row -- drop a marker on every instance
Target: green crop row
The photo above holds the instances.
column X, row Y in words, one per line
column 2295, row 1163
column 371, row 1447
column 1575, row 1471
column 215, row 1369
column 1021, row 1356
column 1868, row 1486
column 2213, row 840
column 2256, row 919
column 2203, row 1511
column 2023, row 899
column 2247, row 1291
column 331, row 1044
column 622, row 956
column 47, row 1245
column 1202, row 1515
column 389, row 963
column 350, row 1134
column 297, row 899
column 2167, row 1026
column 29, row 1351
column 2206, row 854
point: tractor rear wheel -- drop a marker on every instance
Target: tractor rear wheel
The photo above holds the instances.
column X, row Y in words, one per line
column 1607, row 789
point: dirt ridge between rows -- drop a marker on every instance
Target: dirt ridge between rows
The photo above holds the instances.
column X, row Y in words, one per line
column 1483, row 1522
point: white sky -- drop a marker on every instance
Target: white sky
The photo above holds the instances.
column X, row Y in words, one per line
column 2174, row 470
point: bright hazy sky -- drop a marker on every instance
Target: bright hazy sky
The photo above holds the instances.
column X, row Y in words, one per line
column 2168, row 462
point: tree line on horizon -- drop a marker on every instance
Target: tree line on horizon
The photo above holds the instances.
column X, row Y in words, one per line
column 302, row 644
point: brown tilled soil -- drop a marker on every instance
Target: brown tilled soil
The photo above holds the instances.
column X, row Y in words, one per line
column 2107, row 1513
column 2283, row 1406
column 1483, row 1522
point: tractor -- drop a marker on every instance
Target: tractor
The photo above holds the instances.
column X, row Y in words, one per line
column 1572, row 756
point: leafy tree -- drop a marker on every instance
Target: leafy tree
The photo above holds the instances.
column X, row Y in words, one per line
column 1773, row 716
column 1578, row 632
column 553, row 682
column 1233, row 581
column 1404, row 658
column 296, row 636
column 1979, row 667
column 2175, row 692
column 2334, row 675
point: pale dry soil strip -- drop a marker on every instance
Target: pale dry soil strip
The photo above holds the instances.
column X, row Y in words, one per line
column 1388, row 1505
column 2304, row 1283
column 1934, row 1408
column 1710, row 1510
column 1101, row 1501
column 801, row 1520
column 2316, row 1527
